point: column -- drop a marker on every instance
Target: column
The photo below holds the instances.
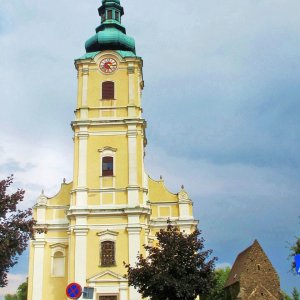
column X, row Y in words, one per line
column 131, row 90
column 81, row 195
column 133, row 197
column 85, row 78
column 80, row 255
column 134, row 248
column 123, row 291
column 38, row 269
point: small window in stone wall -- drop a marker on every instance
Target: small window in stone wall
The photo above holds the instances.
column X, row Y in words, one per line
column 258, row 267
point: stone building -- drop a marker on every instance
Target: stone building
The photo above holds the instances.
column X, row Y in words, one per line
column 252, row 277
column 111, row 208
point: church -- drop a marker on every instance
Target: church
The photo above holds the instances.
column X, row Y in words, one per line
column 112, row 207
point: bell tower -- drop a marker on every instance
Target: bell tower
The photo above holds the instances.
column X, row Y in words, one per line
column 109, row 140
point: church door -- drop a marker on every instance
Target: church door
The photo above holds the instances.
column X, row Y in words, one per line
column 108, row 298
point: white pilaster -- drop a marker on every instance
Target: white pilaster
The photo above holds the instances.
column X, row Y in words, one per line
column 38, row 269
column 132, row 153
column 85, row 77
column 80, row 255
column 81, row 195
column 123, row 291
column 133, row 199
column 134, row 248
column 131, row 83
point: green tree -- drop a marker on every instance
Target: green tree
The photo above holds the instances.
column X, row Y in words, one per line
column 16, row 228
column 176, row 268
column 295, row 294
column 285, row 296
column 220, row 278
column 22, row 290
column 10, row 297
column 295, row 249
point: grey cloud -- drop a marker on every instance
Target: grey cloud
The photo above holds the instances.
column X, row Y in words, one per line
column 221, row 89
column 13, row 166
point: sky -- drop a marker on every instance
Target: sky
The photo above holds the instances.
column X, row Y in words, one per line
column 221, row 100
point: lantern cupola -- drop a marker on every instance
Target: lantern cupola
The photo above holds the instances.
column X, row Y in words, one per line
column 111, row 34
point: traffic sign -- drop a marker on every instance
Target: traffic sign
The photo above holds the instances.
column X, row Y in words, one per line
column 74, row 290
column 297, row 261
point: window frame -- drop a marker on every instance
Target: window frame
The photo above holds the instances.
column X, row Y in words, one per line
column 58, row 248
column 117, row 13
column 109, row 14
column 111, row 261
column 107, row 152
column 107, row 94
column 108, row 236
column 106, row 160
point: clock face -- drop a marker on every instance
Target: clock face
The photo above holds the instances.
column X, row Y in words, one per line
column 108, row 65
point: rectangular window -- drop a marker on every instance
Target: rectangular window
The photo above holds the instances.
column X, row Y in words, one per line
column 108, row 90
column 108, row 298
column 117, row 16
column 107, row 253
column 109, row 14
column 103, row 18
column 107, row 166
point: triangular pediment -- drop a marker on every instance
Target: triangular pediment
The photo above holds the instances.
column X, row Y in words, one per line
column 107, row 276
column 58, row 245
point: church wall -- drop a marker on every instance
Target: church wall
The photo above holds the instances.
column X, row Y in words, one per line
column 93, row 253
column 53, row 287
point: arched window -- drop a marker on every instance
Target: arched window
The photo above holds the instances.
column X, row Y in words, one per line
column 107, row 166
column 108, row 90
column 108, row 253
column 58, row 264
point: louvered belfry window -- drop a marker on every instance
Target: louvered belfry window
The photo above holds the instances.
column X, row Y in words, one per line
column 108, row 90
column 107, row 166
column 107, row 253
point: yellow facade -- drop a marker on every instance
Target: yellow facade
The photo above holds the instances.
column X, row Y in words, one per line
column 125, row 208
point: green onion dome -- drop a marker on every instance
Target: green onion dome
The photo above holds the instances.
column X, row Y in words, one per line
column 111, row 34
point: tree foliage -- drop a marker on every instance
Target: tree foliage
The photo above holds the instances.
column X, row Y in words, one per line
column 10, row 297
column 16, row 228
column 217, row 291
column 295, row 295
column 21, row 292
column 176, row 268
column 295, row 249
